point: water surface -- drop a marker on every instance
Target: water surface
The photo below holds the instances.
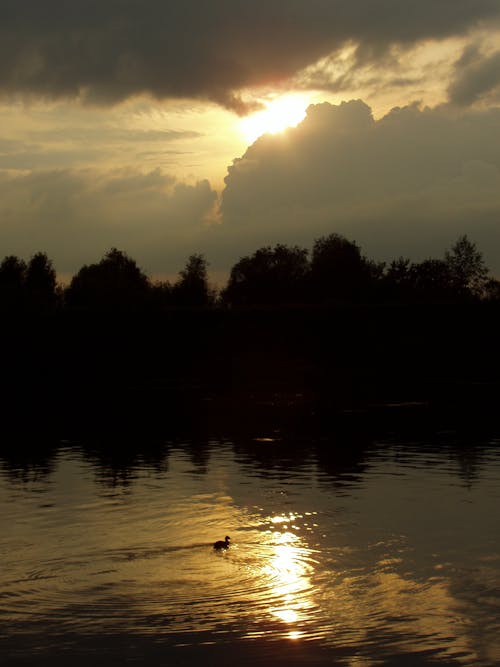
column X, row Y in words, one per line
column 385, row 555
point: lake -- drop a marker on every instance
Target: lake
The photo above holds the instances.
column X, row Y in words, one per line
column 375, row 553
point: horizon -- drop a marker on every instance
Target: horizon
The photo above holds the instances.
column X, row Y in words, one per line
column 220, row 282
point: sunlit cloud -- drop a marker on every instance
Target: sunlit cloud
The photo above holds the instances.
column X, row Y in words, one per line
column 408, row 183
column 278, row 115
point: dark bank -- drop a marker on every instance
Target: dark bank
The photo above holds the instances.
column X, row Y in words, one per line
column 65, row 372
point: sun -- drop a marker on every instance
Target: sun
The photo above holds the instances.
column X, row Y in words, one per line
column 278, row 115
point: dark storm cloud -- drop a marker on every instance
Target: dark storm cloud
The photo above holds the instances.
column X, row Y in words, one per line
column 408, row 183
column 476, row 76
column 106, row 51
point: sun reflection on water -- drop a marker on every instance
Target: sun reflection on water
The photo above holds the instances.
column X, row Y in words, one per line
column 287, row 575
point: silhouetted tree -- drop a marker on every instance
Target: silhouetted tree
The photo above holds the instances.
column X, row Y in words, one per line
column 12, row 283
column 398, row 280
column 116, row 282
column 269, row 276
column 339, row 271
column 161, row 294
column 432, row 280
column 41, row 282
column 467, row 268
column 192, row 289
column 491, row 290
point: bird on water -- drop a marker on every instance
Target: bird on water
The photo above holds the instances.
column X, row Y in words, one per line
column 222, row 544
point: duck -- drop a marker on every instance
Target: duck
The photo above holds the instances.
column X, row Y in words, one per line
column 222, row 544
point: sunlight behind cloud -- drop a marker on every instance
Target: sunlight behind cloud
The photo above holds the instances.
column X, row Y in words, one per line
column 278, row 115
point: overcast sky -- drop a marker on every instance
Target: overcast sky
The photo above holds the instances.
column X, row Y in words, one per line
column 122, row 124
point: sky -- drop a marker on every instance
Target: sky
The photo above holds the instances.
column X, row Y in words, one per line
column 166, row 128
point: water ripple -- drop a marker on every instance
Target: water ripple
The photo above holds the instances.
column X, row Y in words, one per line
column 372, row 569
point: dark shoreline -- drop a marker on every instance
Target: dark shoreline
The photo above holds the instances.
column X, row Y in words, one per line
column 76, row 374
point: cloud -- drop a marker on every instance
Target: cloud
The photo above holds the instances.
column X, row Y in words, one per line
column 105, row 52
column 477, row 76
column 110, row 135
column 408, row 183
column 63, row 138
column 76, row 215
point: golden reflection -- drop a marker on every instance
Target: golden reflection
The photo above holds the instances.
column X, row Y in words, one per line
column 286, row 615
column 288, row 574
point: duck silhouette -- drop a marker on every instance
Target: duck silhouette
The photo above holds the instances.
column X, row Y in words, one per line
column 222, row 544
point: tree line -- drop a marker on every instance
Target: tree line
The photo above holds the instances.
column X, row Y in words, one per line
column 335, row 271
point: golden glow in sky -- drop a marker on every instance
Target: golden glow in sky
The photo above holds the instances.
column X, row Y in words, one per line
column 278, row 115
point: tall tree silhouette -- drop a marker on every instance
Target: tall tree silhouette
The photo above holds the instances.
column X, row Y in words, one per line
column 116, row 282
column 41, row 282
column 269, row 276
column 467, row 269
column 339, row 271
column 12, row 283
column 192, row 288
